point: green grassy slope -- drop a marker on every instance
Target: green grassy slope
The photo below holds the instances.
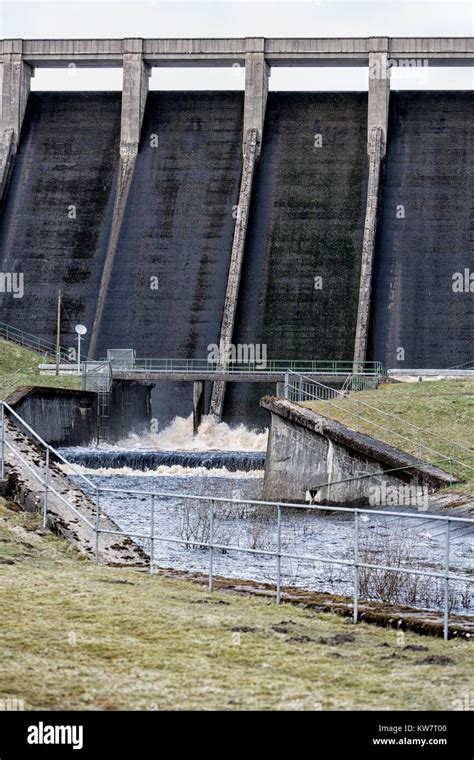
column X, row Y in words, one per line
column 74, row 636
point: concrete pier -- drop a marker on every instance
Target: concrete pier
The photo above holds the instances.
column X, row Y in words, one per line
column 198, row 404
column 134, row 93
column 15, row 76
column 257, row 72
column 379, row 95
column 377, row 128
column 236, row 261
column 256, row 93
column 136, row 74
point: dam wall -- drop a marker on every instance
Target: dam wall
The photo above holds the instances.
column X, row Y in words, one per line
column 129, row 204
column 306, row 222
column 55, row 220
column 425, row 233
column 168, row 282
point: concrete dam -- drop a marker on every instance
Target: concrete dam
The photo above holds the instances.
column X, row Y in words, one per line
column 323, row 225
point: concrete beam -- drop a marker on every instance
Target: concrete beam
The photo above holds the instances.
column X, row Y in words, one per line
column 259, row 376
column 291, row 51
column 256, row 92
column 15, row 76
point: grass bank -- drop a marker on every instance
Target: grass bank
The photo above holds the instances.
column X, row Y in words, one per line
column 444, row 408
column 75, row 636
column 19, row 367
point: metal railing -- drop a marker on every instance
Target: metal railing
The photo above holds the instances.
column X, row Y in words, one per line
column 211, row 503
column 356, row 563
column 45, row 481
column 301, row 388
column 41, row 346
column 267, row 366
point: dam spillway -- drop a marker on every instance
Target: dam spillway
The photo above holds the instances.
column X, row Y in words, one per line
column 310, row 207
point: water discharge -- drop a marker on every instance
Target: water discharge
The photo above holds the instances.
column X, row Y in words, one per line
column 212, row 435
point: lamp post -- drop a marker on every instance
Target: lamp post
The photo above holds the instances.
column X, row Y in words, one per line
column 80, row 330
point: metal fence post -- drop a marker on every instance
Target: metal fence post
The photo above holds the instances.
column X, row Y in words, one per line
column 97, row 525
column 152, row 532
column 286, row 386
column 356, row 566
column 446, row 585
column 211, row 536
column 278, row 581
column 2, row 441
column 46, row 486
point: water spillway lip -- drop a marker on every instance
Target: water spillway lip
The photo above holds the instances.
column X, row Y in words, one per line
column 233, row 461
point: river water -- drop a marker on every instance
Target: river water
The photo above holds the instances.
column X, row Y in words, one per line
column 228, row 464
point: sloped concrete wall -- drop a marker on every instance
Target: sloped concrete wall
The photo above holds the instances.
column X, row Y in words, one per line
column 425, row 233
column 55, row 222
column 306, row 450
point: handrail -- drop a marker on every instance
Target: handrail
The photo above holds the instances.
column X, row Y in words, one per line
column 386, row 414
column 399, row 435
column 328, row 366
column 47, row 446
column 23, row 338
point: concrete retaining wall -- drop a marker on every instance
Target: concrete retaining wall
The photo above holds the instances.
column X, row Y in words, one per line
column 64, row 417
column 61, row 417
column 305, row 450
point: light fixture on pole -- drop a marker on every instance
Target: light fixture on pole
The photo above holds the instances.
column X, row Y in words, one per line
column 80, row 330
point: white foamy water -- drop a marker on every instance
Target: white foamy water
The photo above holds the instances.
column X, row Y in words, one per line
column 212, row 435
column 172, row 471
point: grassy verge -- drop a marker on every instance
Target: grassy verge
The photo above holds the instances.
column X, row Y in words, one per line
column 19, row 366
column 74, row 636
column 444, row 408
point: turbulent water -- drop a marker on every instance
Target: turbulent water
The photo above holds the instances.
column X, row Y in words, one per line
column 195, row 468
column 212, row 435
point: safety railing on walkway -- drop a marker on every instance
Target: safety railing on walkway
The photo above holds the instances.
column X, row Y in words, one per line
column 263, row 366
column 210, row 543
column 298, row 387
